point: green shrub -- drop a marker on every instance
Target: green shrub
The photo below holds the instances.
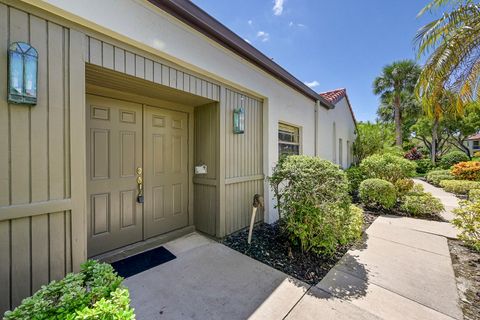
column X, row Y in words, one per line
column 417, row 190
column 388, row 167
column 435, row 176
column 355, row 176
column 77, row 293
column 459, row 186
column 424, row 165
column 468, row 221
column 469, row 170
column 313, row 202
column 378, row 193
column 452, row 158
column 403, row 186
column 474, row 195
column 421, row 204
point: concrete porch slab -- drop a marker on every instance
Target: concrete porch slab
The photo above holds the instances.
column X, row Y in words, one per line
column 210, row 281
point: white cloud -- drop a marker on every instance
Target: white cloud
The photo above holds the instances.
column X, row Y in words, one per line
column 247, row 41
column 312, row 84
column 301, row 25
column 263, row 36
column 250, row 22
column 290, row 24
column 278, row 7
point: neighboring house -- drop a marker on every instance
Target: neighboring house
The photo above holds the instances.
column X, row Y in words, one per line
column 338, row 129
column 473, row 143
column 137, row 132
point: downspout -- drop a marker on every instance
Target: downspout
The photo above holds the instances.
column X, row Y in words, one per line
column 317, row 106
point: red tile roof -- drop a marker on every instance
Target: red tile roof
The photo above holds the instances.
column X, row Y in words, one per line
column 335, row 96
column 474, row 137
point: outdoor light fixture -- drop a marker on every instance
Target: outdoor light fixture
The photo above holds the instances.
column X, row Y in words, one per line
column 22, row 73
column 239, row 121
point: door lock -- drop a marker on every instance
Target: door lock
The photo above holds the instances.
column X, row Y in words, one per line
column 140, row 185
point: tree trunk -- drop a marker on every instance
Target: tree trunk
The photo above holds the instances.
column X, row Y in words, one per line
column 434, row 139
column 398, row 121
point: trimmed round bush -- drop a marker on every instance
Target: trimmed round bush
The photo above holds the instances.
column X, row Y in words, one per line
column 459, row 186
column 469, row 170
column 451, row 158
column 313, row 203
column 421, row 204
column 424, row 165
column 378, row 193
column 434, row 177
column 388, row 167
column 403, row 186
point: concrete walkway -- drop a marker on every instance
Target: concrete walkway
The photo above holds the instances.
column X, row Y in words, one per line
column 449, row 200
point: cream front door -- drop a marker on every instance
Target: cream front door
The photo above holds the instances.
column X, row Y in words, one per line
column 122, row 137
column 166, row 175
column 114, row 152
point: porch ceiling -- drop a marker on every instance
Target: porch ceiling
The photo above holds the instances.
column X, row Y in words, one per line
column 99, row 76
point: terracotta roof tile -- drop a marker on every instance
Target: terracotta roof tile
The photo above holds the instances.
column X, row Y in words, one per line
column 335, row 96
column 474, row 137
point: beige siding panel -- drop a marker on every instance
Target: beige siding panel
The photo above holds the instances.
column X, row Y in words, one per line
column 20, row 248
column 4, row 120
column 205, row 204
column 139, row 67
column 95, row 52
column 148, row 70
column 157, row 72
column 40, row 244
column 19, row 120
column 129, row 63
column 179, row 80
column 119, row 60
column 57, row 245
column 107, row 55
column 5, row 265
column 165, row 75
column 238, row 208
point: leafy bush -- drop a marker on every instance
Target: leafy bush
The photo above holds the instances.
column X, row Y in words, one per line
column 313, row 201
column 469, row 170
column 452, row 158
column 468, row 221
column 474, row 195
column 88, row 292
column 459, row 186
column 417, row 190
column 435, row 176
column 388, row 167
column 355, row 176
column 421, row 204
column 477, row 154
column 378, row 193
column 424, row 165
column 413, row 154
column 403, row 186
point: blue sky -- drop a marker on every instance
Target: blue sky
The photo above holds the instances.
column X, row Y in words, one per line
column 335, row 43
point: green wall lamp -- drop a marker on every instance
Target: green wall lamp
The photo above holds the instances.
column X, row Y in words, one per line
column 239, row 121
column 22, row 73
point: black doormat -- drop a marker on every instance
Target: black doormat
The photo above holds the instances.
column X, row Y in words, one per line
column 143, row 261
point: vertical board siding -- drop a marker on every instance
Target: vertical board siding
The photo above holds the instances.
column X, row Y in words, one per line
column 243, row 160
column 109, row 56
column 35, row 161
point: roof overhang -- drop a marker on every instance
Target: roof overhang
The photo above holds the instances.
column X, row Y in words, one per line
column 187, row 12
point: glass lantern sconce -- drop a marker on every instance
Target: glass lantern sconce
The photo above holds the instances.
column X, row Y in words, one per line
column 22, row 73
column 239, row 121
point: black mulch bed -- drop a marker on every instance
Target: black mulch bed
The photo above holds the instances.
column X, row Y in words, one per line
column 466, row 264
column 272, row 247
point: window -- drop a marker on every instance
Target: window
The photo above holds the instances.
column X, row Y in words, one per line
column 340, row 152
column 334, row 143
column 476, row 144
column 349, row 155
column 288, row 140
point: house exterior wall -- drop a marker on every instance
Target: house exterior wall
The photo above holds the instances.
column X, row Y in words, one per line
column 473, row 148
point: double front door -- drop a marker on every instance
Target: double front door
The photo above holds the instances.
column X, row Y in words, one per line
column 137, row 183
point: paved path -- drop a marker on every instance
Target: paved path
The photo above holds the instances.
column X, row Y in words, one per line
column 449, row 200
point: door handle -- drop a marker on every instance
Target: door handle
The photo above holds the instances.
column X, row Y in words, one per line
column 140, row 185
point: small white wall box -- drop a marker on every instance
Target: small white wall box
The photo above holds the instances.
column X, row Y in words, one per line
column 201, row 169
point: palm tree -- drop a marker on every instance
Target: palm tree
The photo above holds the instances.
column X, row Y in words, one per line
column 396, row 81
column 454, row 64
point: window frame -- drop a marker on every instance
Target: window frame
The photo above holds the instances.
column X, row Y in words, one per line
column 294, row 127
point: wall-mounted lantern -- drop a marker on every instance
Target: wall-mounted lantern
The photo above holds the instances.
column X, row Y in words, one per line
column 22, row 73
column 239, row 121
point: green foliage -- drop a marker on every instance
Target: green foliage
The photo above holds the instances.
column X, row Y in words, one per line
column 388, row 167
column 378, row 193
column 80, row 291
column 312, row 198
column 424, row 165
column 355, row 176
column 459, row 186
column 474, row 195
column 116, row 307
column 421, row 204
column 451, row 158
column 372, row 138
column 354, row 225
column 403, row 186
column 467, row 219
column 434, row 177
column 417, row 190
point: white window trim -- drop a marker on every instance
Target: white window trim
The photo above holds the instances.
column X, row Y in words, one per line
column 300, row 136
